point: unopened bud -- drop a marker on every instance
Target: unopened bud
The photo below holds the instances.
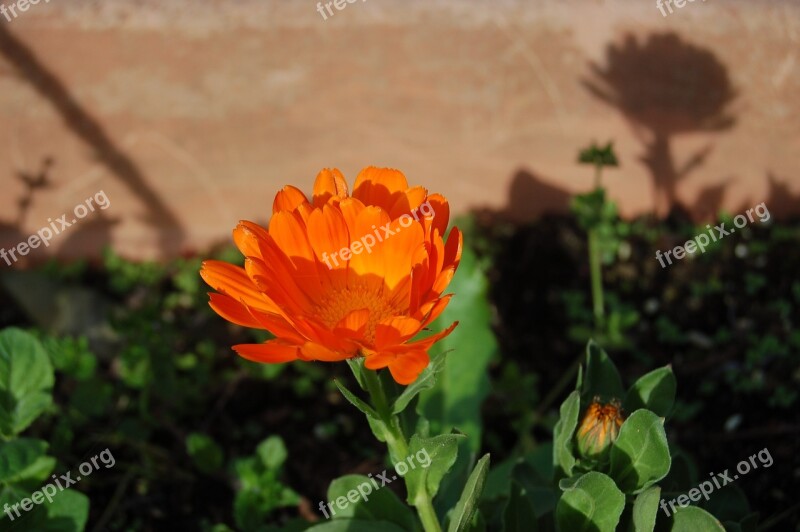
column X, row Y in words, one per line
column 599, row 429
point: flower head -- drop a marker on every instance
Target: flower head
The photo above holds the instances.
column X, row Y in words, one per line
column 342, row 276
column 599, row 429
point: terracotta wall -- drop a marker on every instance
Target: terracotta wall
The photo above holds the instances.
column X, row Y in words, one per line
column 190, row 115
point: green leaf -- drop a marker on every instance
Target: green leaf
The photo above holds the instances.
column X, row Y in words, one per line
column 598, row 155
column 18, row 455
column 498, row 481
column 645, row 508
column 640, row 456
column 11, row 494
column 519, row 515
column 371, row 503
column 26, row 381
column 728, row 504
column 592, row 504
column 654, row 391
column 468, row 503
column 356, row 402
column 425, row 381
column 538, row 490
column 440, row 452
column 355, row 525
column 35, row 474
column 206, row 455
column 694, row 519
column 601, row 377
column 68, row 512
column 461, row 387
column 272, row 452
column 357, row 367
column 682, row 474
column 563, row 432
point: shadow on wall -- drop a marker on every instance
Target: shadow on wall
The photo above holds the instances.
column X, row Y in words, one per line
column 33, row 182
column 666, row 87
column 530, row 196
column 779, row 199
column 82, row 124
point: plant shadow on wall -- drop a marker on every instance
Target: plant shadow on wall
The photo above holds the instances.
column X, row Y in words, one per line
column 33, row 182
column 86, row 239
column 29, row 67
column 530, row 196
column 666, row 87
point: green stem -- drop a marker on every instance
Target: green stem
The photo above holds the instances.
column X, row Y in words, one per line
column 596, row 271
column 398, row 449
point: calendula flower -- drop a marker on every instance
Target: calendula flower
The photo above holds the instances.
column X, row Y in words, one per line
column 599, row 429
column 343, row 276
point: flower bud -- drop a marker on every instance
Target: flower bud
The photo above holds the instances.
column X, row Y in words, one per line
column 599, row 429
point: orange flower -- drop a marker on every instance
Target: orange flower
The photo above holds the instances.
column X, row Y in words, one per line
column 343, row 276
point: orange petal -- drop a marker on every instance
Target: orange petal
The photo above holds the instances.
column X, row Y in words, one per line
column 351, row 208
column 379, row 186
column 355, row 321
column 329, row 183
column 400, row 252
column 271, row 352
column 315, row 351
column 289, row 234
column 418, row 275
column 233, row 281
column 281, row 287
column 453, row 248
column 442, row 281
column 425, row 343
column 369, row 264
column 436, row 254
column 392, row 331
column 379, row 360
column 435, row 309
column 232, row 310
column 288, row 199
column 279, row 326
column 441, row 211
column 408, row 203
column 318, row 333
column 406, row 367
column 246, row 236
column 328, row 235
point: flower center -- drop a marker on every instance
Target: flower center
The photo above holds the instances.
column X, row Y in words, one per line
column 339, row 303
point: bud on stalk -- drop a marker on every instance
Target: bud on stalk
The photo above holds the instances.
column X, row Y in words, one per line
column 599, row 429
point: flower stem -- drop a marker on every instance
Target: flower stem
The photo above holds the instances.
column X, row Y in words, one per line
column 399, row 450
column 596, row 272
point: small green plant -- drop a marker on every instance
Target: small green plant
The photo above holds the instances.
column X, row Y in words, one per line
column 26, row 383
column 607, row 465
column 616, row 485
column 261, row 489
column 598, row 217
